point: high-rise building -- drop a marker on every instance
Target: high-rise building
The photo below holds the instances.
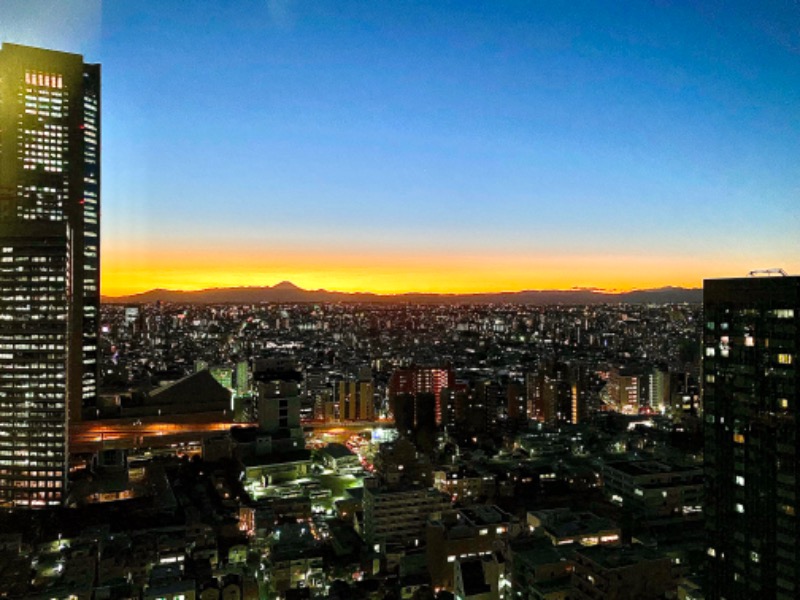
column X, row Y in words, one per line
column 279, row 406
column 624, row 385
column 242, row 378
column 399, row 514
column 356, row 400
column 418, row 379
column 454, row 401
column 517, row 402
column 751, row 389
column 657, row 388
column 49, row 264
column 558, row 392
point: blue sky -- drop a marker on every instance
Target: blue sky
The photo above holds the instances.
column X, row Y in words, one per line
column 254, row 129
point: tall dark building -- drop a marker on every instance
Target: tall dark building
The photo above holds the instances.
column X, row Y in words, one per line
column 418, row 379
column 750, row 395
column 49, row 264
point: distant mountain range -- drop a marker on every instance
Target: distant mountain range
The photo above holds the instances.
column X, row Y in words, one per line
column 287, row 292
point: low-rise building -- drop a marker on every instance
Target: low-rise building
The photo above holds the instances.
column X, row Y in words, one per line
column 622, row 573
column 464, row 484
column 654, row 489
column 272, row 468
column 482, row 578
column 339, row 457
column 563, row 526
column 540, row 570
column 459, row 534
column 295, row 558
column 167, row 582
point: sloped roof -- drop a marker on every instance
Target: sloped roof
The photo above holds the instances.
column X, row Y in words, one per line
column 197, row 388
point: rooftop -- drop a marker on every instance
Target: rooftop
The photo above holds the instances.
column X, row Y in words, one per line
column 609, row 557
column 337, row 451
column 650, row 467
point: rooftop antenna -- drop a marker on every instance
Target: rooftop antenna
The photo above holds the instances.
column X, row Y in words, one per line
column 768, row 273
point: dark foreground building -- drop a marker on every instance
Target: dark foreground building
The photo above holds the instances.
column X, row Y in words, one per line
column 49, row 264
column 750, row 395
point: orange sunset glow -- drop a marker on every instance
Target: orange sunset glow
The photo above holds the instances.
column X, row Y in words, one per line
column 387, row 273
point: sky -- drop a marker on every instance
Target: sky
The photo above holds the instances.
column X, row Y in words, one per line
column 449, row 146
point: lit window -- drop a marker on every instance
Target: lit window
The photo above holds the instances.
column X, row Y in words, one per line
column 784, row 359
column 739, row 507
column 738, row 438
column 739, row 480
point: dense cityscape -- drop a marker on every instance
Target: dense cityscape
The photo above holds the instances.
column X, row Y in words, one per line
column 358, row 449
column 369, row 449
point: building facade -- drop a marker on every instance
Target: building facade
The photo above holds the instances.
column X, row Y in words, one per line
column 622, row 573
column 419, row 380
column 356, row 401
column 655, row 490
column 49, row 265
column 459, row 534
column 750, row 400
column 624, row 385
column 399, row 515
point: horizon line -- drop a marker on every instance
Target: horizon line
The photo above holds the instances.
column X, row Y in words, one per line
column 286, row 284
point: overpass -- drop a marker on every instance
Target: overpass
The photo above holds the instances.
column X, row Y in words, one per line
column 129, row 434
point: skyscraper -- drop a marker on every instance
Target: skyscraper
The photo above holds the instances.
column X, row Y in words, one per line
column 750, row 395
column 49, row 264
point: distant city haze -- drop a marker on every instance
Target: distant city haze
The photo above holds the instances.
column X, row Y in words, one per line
column 437, row 147
column 287, row 292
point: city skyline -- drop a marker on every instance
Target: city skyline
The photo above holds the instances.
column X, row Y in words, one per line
column 432, row 325
column 437, row 149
